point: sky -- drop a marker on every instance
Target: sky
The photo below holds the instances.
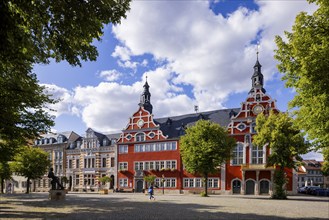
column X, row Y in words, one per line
column 192, row 52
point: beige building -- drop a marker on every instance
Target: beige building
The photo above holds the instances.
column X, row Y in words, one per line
column 310, row 174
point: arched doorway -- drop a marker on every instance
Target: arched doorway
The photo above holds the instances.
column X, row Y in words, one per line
column 250, row 187
column 139, row 186
column 236, row 186
column 264, row 187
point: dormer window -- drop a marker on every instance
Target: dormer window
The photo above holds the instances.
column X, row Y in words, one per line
column 140, row 137
column 60, row 139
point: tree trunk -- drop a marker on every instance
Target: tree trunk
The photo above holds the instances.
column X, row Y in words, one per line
column 28, row 185
column 206, row 184
column 2, row 185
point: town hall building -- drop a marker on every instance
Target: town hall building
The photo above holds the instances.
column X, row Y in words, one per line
column 150, row 146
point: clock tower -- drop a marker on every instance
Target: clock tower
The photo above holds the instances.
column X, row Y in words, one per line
column 248, row 164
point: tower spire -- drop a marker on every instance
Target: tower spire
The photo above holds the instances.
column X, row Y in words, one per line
column 257, row 79
column 145, row 100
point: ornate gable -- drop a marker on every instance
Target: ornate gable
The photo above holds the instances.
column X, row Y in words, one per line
column 141, row 125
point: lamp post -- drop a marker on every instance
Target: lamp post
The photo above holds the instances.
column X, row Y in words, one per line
column 162, row 180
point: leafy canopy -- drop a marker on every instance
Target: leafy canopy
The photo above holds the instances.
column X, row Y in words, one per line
column 204, row 147
column 304, row 60
column 31, row 163
column 34, row 32
column 286, row 143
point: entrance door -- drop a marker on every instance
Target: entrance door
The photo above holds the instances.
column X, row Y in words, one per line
column 250, row 187
column 139, row 186
column 236, row 187
column 264, row 187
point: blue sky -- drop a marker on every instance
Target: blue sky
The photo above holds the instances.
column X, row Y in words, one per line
column 193, row 53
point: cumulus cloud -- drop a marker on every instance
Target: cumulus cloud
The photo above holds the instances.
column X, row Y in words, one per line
column 110, row 75
column 65, row 104
column 212, row 53
column 200, row 58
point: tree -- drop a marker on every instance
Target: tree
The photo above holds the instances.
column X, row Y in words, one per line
column 105, row 179
column 204, row 147
column 304, row 60
column 34, row 32
column 149, row 179
column 286, row 143
column 5, row 173
column 31, row 163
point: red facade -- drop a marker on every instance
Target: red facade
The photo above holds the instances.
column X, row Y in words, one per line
column 150, row 146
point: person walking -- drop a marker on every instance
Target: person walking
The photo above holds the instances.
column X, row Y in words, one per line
column 150, row 191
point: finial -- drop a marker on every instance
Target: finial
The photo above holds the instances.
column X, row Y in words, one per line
column 196, row 108
column 146, row 77
column 257, row 50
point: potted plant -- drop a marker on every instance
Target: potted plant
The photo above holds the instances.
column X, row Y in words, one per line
column 104, row 180
column 64, row 181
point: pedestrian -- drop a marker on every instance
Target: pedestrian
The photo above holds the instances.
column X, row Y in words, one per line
column 9, row 188
column 150, row 191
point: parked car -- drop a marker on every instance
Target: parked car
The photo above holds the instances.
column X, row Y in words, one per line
column 311, row 190
column 321, row 192
column 302, row 189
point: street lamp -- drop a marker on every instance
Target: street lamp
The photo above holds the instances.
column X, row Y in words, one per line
column 162, row 180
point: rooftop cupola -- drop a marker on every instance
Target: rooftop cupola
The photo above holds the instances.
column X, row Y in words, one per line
column 145, row 100
column 257, row 78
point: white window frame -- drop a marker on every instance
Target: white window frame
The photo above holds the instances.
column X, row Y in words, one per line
column 123, row 149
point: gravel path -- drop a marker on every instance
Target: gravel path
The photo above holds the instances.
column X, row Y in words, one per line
column 137, row 206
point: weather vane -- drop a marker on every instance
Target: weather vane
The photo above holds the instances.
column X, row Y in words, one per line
column 257, row 50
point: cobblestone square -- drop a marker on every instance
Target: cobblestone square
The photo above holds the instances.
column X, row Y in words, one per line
column 137, row 206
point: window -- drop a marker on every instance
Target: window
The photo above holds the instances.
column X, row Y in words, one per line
column 112, row 162
column 213, row 182
column 140, row 137
column 238, row 154
column 123, row 149
column 253, row 125
column 76, row 179
column 77, row 163
column 123, row 165
column 166, row 182
column 70, row 164
column 104, row 162
column 139, row 166
column 163, row 146
column 105, row 142
column 256, row 155
column 123, row 182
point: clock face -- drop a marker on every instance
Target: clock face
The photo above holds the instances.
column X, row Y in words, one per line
column 258, row 109
column 140, row 122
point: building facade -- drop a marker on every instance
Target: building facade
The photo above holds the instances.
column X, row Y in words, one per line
column 149, row 146
column 310, row 174
column 79, row 161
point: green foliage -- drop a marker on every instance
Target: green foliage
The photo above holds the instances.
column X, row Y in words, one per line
column 285, row 141
column 204, row 147
column 149, row 179
column 31, row 163
column 304, row 60
column 34, row 32
column 203, row 194
column 105, row 179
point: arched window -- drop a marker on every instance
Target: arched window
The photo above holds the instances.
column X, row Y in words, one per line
column 140, row 137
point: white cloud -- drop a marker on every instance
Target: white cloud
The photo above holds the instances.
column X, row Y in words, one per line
column 110, row 75
column 65, row 104
column 211, row 53
column 192, row 46
column 123, row 53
